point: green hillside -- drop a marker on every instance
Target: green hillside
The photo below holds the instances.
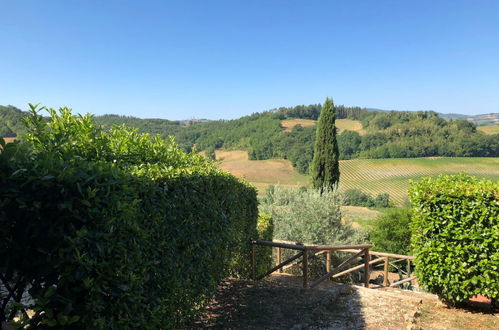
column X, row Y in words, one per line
column 289, row 133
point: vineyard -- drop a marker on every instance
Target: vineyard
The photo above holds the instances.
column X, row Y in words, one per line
column 371, row 175
column 393, row 175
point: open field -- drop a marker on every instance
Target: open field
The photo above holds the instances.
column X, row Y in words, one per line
column 370, row 175
column 288, row 124
column 491, row 129
column 261, row 173
column 341, row 124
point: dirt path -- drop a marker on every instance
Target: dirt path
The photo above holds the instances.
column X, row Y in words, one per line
column 280, row 303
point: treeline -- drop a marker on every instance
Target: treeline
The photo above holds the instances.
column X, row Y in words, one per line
column 389, row 134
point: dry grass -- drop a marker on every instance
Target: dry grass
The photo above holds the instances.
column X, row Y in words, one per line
column 358, row 215
column 491, row 129
column 260, row 173
column 288, row 124
column 341, row 124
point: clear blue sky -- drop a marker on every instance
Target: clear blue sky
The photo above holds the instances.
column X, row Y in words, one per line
column 225, row 59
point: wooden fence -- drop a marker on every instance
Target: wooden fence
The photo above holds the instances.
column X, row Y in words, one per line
column 308, row 251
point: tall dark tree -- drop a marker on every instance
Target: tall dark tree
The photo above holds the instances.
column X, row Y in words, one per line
column 325, row 165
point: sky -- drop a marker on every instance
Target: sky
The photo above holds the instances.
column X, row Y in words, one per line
column 226, row 59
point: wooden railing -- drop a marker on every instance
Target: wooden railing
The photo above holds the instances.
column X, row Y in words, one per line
column 308, row 251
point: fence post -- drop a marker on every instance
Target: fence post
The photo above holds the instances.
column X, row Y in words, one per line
column 329, row 257
column 305, row 268
column 366, row 267
column 279, row 259
column 253, row 257
column 385, row 272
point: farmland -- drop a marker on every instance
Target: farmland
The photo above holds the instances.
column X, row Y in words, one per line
column 370, row 175
column 341, row 124
column 491, row 129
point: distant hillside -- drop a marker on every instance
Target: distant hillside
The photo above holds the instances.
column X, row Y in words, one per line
column 479, row 120
column 289, row 133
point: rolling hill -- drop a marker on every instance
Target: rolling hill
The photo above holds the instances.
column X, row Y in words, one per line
column 370, row 175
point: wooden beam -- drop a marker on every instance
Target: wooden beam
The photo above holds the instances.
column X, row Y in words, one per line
column 253, row 260
column 329, row 258
column 305, row 268
column 279, row 258
column 367, row 258
column 338, row 247
column 382, row 254
column 336, row 270
column 349, row 270
column 412, row 278
column 276, row 244
column 280, row 265
column 385, row 272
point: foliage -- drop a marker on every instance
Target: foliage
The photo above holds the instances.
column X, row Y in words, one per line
column 116, row 229
column 325, row 168
column 357, row 197
column 391, row 232
column 306, row 216
column 455, row 235
column 389, row 134
column 265, row 229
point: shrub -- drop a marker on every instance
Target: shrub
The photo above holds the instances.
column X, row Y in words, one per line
column 265, row 229
column 391, row 232
column 455, row 235
column 382, row 200
column 304, row 215
column 357, row 197
column 116, row 230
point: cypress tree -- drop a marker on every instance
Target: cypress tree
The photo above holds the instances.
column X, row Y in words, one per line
column 325, row 166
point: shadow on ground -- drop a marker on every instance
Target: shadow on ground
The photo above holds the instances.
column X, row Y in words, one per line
column 280, row 304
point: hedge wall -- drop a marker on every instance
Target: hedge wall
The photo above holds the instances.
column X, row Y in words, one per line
column 115, row 229
column 455, row 236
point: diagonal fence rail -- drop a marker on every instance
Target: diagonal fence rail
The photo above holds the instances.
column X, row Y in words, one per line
column 309, row 251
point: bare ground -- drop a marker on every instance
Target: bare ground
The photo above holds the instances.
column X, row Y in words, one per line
column 280, row 303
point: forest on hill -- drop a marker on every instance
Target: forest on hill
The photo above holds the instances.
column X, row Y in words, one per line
column 388, row 134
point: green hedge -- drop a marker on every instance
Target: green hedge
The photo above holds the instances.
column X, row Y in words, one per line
column 116, row 229
column 455, row 236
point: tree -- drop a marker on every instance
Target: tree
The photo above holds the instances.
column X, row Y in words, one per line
column 325, row 165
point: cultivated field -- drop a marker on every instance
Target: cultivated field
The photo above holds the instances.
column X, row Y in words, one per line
column 393, row 175
column 261, row 173
column 371, row 175
column 491, row 129
column 341, row 124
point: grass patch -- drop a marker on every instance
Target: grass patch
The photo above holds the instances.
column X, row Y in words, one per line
column 491, row 129
column 341, row 124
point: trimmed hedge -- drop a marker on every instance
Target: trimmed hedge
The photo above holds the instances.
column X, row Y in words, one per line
column 116, row 230
column 455, row 236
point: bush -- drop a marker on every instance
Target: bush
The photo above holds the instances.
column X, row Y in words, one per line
column 265, row 229
column 306, row 216
column 455, row 235
column 391, row 232
column 357, row 197
column 118, row 229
